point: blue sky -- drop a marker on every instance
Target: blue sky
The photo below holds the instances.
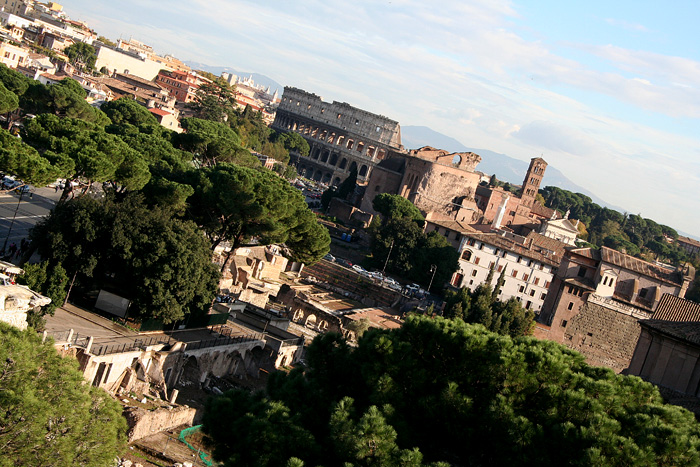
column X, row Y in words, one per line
column 607, row 92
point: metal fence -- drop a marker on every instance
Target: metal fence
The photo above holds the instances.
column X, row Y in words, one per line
column 224, row 340
column 226, row 337
column 58, row 336
column 136, row 344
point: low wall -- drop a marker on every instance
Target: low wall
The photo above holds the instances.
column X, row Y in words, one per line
column 144, row 422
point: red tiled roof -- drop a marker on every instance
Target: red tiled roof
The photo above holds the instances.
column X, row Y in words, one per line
column 452, row 225
column 672, row 308
column 538, row 247
column 541, row 211
column 639, row 266
column 160, row 112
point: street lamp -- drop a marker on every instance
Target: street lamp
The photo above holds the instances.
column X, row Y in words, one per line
column 433, row 269
column 387, row 257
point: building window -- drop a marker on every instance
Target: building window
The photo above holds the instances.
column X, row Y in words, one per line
column 520, row 258
column 491, row 265
column 474, row 273
column 496, row 251
column 526, row 276
column 537, row 280
column 470, row 242
column 571, row 306
column 467, row 255
column 564, row 323
column 521, row 289
column 643, row 293
column 528, row 305
column 532, row 292
column 515, row 273
column 476, row 260
column 546, row 284
column 582, row 272
column 500, row 267
column 543, row 296
column 481, row 246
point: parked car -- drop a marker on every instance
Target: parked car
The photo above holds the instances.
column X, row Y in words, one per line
column 343, row 262
column 329, row 257
column 8, row 183
column 376, row 275
column 359, row 269
column 412, row 289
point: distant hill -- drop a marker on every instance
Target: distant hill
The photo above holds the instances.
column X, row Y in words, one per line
column 257, row 77
column 505, row 167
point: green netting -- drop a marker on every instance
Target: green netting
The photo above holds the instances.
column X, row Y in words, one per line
column 202, row 455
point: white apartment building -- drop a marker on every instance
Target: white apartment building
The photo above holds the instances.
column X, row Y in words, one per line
column 528, row 264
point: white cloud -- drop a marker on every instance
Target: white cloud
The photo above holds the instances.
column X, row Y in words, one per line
column 626, row 25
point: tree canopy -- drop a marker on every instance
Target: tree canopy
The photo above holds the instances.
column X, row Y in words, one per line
column 412, row 252
column 439, row 390
column 238, row 204
column 81, row 55
column 161, row 263
column 395, row 207
column 633, row 234
column 483, row 307
column 49, row 415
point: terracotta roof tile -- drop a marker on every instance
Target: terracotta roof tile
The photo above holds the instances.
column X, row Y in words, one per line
column 160, row 112
column 535, row 246
column 542, row 211
column 672, row 308
column 639, row 266
column 456, row 226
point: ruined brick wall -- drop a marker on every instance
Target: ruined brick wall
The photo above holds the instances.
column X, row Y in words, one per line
column 381, row 181
column 439, row 186
column 144, row 422
column 605, row 337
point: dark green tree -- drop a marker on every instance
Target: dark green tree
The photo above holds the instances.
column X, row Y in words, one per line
column 395, row 206
column 81, row 55
column 238, row 204
column 51, row 282
column 22, row 160
column 213, row 142
column 8, row 100
column 49, row 415
column 482, row 306
column 125, row 110
column 83, row 151
column 215, row 101
column 443, row 390
column 161, row 263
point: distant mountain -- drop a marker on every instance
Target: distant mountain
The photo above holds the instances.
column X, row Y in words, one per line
column 505, row 167
column 257, row 77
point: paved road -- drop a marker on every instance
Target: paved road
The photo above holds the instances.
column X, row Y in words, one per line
column 26, row 211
